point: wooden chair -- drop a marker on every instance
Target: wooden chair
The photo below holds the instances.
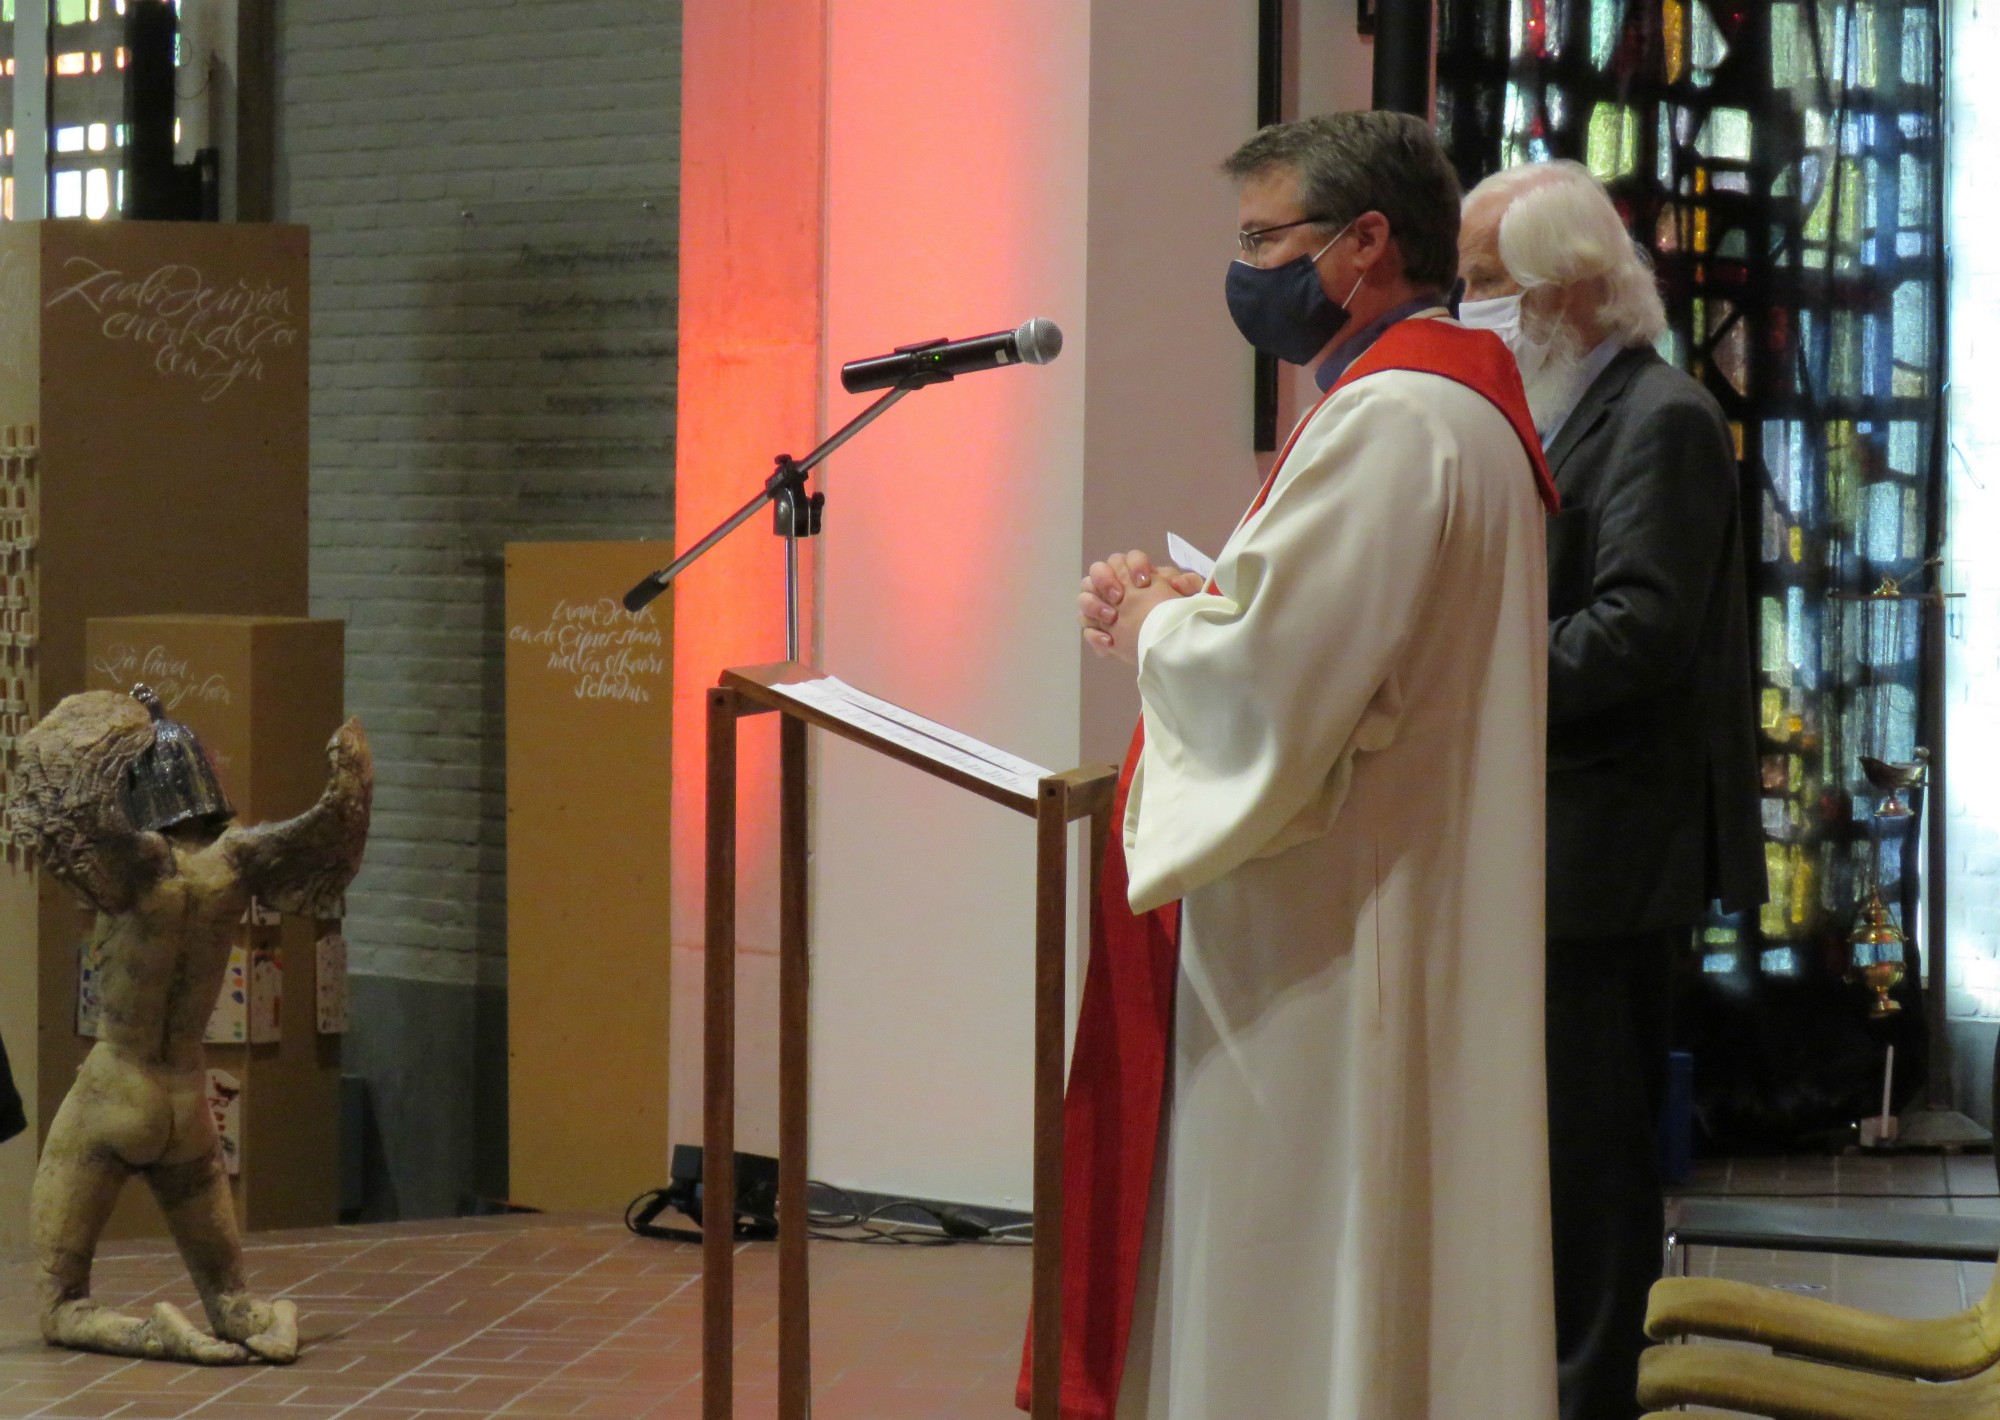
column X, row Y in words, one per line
column 1781, row 1388
column 1856, row 1232
column 1931, row 1349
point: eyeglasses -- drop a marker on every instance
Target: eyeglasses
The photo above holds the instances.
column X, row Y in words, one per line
column 1252, row 242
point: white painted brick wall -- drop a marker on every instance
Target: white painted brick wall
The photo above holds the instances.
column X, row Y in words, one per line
column 1972, row 671
column 394, row 117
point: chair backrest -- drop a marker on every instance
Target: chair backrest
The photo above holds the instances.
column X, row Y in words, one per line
column 1987, row 1312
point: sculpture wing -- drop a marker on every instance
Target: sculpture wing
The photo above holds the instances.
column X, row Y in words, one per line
column 302, row 865
column 68, row 804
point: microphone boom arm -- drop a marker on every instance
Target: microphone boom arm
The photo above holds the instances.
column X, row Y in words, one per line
column 798, row 512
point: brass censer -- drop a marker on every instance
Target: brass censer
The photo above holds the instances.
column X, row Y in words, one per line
column 1877, row 954
column 1876, row 943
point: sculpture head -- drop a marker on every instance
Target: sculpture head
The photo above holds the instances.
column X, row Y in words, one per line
column 172, row 783
column 68, row 806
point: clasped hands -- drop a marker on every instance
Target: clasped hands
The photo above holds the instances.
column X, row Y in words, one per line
column 1118, row 595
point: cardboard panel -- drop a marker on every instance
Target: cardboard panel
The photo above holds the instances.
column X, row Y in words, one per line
column 172, row 359
column 264, row 694
column 174, row 425
column 20, row 323
column 202, row 673
column 588, row 766
column 20, row 409
column 292, row 1107
column 292, row 1112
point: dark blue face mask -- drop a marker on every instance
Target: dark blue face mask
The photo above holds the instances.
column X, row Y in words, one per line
column 1283, row 310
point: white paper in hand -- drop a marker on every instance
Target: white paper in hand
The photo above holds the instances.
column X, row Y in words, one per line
column 1189, row 558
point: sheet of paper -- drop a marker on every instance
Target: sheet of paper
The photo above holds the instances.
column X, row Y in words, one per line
column 941, row 744
column 229, row 1021
column 225, row 1102
column 330, row 983
column 267, row 995
column 1189, row 558
column 90, row 985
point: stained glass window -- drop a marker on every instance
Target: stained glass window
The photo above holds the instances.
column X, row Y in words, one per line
column 1780, row 162
column 7, row 109
column 87, row 108
column 86, row 147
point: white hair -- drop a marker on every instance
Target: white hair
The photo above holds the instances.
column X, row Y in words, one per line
column 1559, row 228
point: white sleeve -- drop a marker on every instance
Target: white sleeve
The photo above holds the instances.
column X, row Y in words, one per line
column 1257, row 697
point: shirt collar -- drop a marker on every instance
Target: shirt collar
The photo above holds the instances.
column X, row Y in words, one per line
column 1594, row 364
column 1356, row 345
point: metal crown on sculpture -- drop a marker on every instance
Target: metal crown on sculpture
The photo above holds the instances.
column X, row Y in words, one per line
column 173, row 782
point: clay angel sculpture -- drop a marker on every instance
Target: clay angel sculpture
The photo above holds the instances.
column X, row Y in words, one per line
column 122, row 805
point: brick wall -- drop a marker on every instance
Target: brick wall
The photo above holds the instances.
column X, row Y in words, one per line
column 400, row 124
column 1972, row 679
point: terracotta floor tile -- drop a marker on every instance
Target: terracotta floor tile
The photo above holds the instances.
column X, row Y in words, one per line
column 153, row 1407
column 546, row 1401
column 84, row 1408
column 624, row 1406
column 478, row 1395
column 328, row 1393
column 907, row 1403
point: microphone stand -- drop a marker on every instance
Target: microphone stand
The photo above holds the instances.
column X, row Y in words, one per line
column 796, row 514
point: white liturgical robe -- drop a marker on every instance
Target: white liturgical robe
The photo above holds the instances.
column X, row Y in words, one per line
column 1343, row 781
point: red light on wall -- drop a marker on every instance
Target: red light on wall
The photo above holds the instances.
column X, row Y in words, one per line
column 749, row 387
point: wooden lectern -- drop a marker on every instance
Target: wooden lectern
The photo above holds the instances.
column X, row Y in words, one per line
column 1056, row 800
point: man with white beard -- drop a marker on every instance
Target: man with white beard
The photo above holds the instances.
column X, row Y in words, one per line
column 1653, row 790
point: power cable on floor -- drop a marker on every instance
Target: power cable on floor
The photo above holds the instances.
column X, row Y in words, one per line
column 849, row 1224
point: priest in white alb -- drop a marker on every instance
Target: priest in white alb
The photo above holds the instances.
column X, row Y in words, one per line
column 1306, row 1168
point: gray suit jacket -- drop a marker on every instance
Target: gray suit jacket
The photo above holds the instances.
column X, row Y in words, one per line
column 1653, row 780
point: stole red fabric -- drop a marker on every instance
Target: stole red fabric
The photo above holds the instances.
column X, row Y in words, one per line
column 1119, row 1067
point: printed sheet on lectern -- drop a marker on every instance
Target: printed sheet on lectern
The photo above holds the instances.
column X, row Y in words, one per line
column 940, row 744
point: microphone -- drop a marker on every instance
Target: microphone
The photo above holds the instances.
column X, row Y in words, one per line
column 932, row 362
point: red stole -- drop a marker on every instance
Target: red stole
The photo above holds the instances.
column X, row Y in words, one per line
column 1119, row 1068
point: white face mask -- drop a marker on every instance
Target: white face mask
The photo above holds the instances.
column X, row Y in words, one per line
column 1502, row 316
